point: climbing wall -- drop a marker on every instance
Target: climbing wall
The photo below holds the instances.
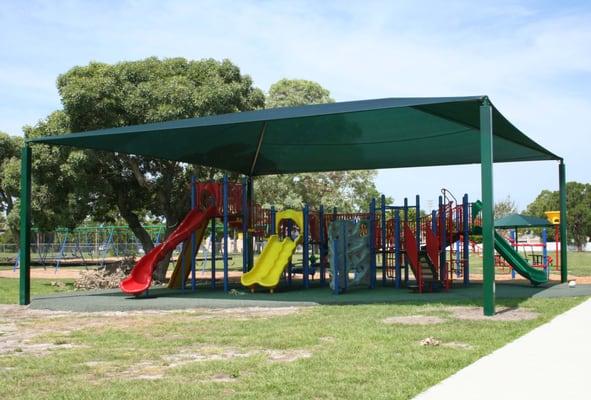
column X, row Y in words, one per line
column 349, row 254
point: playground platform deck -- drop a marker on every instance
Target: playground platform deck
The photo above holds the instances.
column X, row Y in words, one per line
column 550, row 362
column 168, row 299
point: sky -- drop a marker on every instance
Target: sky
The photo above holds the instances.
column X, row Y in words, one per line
column 532, row 58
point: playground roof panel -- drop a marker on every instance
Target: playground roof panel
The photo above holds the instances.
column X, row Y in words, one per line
column 521, row 221
column 367, row 134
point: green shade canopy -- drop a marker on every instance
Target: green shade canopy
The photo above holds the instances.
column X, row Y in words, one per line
column 520, row 221
column 368, row 134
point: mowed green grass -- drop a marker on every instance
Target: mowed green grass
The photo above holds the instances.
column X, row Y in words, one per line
column 353, row 353
column 9, row 288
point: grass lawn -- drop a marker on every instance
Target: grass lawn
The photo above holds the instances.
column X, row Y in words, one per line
column 9, row 288
column 328, row 352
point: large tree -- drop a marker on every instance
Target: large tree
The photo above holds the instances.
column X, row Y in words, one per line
column 296, row 92
column 9, row 170
column 505, row 207
column 347, row 190
column 578, row 215
column 101, row 96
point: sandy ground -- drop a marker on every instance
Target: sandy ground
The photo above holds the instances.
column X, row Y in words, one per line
column 73, row 273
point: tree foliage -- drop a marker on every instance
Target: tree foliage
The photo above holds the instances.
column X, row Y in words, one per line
column 578, row 198
column 10, row 147
column 349, row 191
column 505, row 207
column 102, row 96
column 71, row 185
column 296, row 92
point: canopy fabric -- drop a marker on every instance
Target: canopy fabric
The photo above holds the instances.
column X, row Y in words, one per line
column 520, row 221
column 368, row 134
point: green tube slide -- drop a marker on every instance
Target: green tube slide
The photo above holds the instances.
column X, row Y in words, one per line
column 519, row 264
column 504, row 248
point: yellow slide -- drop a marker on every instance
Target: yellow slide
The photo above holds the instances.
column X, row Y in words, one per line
column 276, row 255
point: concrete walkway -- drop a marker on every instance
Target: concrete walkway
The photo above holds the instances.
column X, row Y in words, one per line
column 521, row 371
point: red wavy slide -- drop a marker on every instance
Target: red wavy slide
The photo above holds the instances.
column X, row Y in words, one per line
column 140, row 278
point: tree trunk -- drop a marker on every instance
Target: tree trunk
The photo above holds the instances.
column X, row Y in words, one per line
column 162, row 267
column 135, row 225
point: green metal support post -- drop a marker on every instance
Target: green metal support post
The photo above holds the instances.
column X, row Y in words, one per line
column 25, row 228
column 250, row 205
column 486, row 168
column 563, row 238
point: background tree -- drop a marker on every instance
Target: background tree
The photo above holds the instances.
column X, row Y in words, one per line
column 296, row 92
column 347, row 190
column 505, row 207
column 10, row 147
column 578, row 197
column 61, row 181
column 102, row 96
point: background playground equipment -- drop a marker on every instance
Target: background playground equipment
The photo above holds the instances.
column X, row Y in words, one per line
column 514, row 222
column 87, row 245
column 350, row 253
column 554, row 218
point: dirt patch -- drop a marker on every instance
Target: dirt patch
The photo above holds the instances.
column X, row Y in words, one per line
column 223, row 378
column 430, row 341
column 216, row 353
column 17, row 347
column 503, row 314
column 20, row 326
column 414, row 320
column 49, row 273
column 204, row 353
column 245, row 313
column 433, row 342
column 287, row 355
column 19, row 340
column 157, row 368
column 458, row 345
column 142, row 371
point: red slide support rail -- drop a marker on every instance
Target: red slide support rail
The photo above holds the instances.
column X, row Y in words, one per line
column 412, row 252
column 433, row 247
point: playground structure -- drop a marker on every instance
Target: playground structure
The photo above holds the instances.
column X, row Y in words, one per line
column 397, row 239
column 327, row 137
